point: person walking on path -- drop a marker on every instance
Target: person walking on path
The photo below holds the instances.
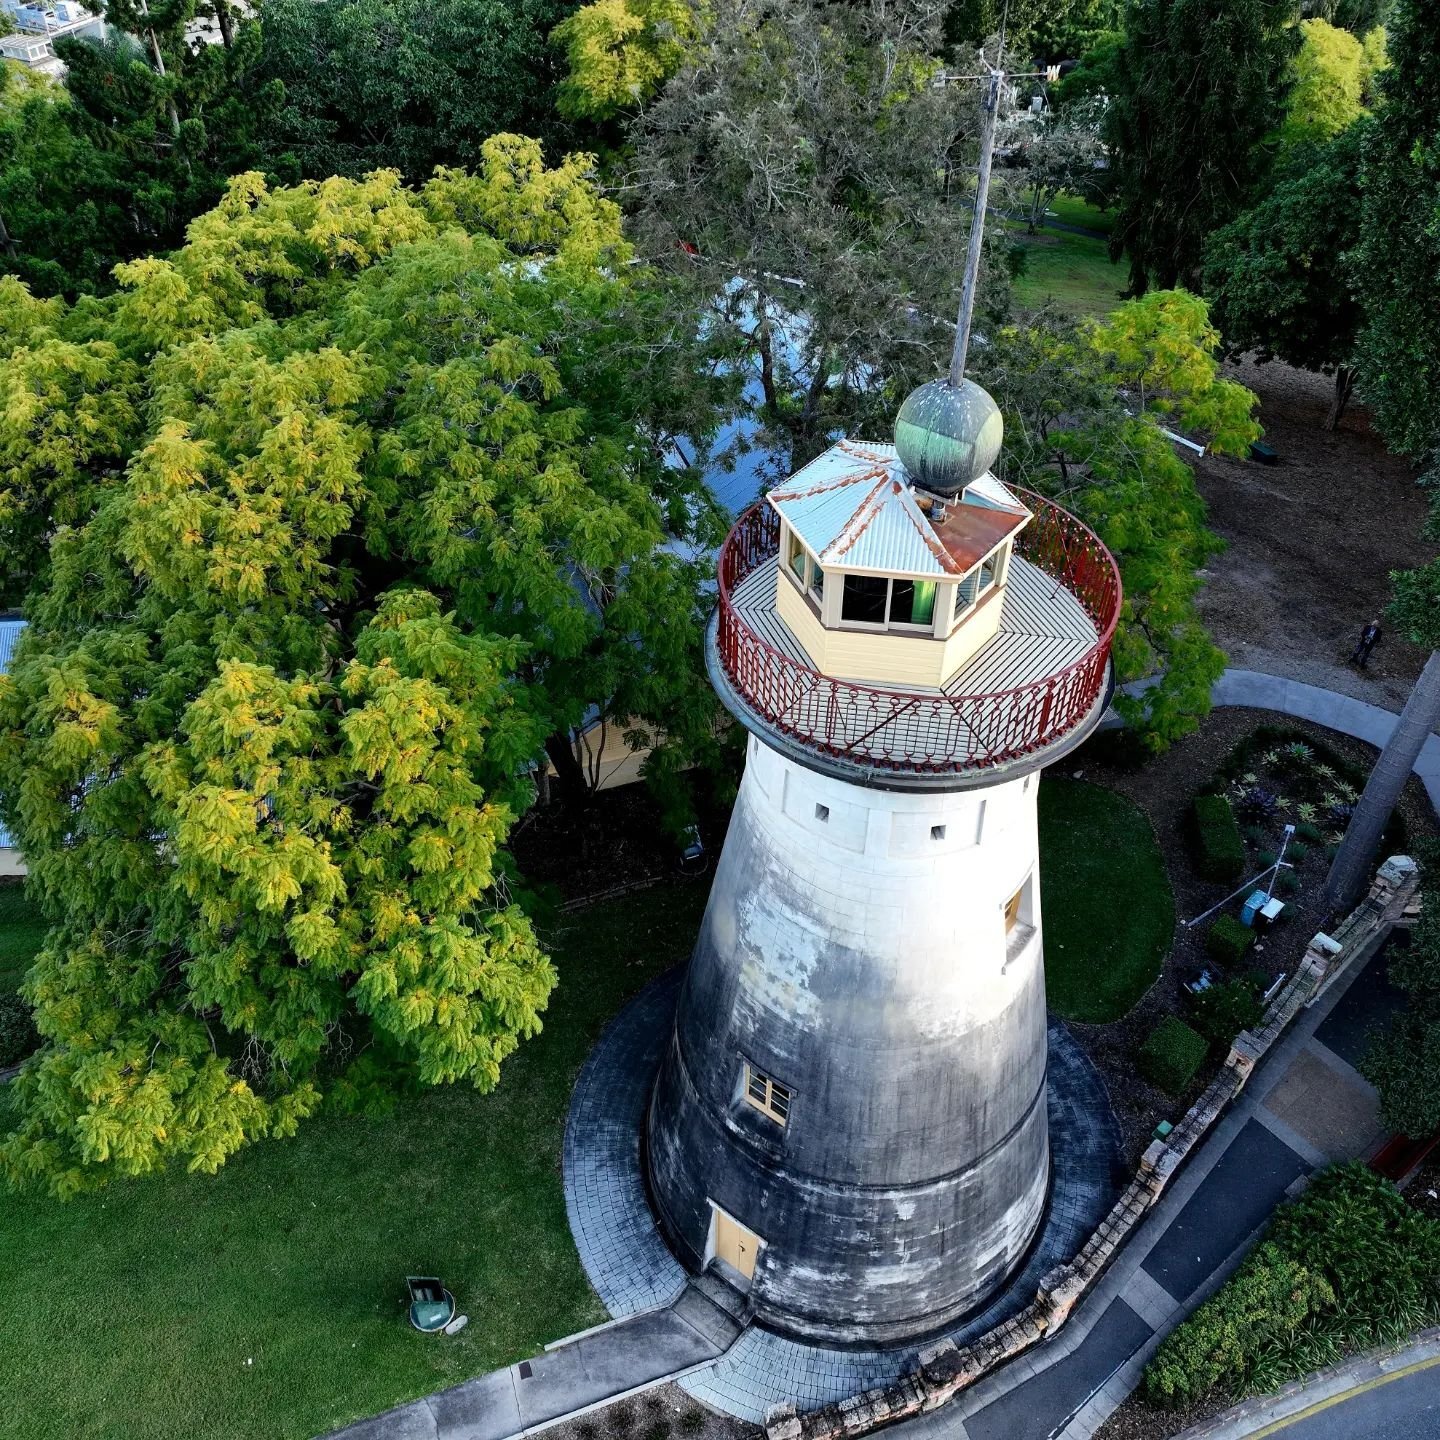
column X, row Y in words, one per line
column 1369, row 639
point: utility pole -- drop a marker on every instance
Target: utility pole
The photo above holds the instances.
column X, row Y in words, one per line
column 989, row 110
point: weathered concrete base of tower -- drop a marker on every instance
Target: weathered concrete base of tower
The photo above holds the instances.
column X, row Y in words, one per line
column 877, row 953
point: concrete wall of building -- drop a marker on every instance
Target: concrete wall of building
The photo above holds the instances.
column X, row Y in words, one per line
column 12, row 862
column 862, row 960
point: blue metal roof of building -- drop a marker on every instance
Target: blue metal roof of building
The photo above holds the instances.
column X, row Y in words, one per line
column 9, row 634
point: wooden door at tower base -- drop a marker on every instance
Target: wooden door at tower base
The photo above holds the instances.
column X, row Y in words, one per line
column 735, row 1245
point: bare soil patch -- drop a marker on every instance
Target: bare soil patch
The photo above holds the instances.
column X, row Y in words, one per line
column 1311, row 542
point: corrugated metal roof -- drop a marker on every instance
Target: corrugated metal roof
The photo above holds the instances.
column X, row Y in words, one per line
column 854, row 509
column 988, row 491
column 9, row 634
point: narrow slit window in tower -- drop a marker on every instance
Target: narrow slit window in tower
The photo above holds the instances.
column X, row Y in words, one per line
column 768, row 1096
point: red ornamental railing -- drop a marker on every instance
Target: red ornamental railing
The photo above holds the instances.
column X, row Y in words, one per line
column 923, row 731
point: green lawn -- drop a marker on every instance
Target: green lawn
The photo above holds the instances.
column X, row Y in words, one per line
column 265, row 1302
column 1073, row 271
column 21, row 931
column 1072, row 210
column 1105, row 899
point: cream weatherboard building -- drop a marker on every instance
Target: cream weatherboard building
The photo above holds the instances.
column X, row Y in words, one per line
column 850, row 1118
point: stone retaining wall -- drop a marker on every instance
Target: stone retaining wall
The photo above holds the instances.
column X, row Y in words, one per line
column 946, row 1369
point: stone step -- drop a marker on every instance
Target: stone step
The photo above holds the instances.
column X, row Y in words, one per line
column 720, row 1292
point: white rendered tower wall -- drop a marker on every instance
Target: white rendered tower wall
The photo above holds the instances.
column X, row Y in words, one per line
column 857, row 950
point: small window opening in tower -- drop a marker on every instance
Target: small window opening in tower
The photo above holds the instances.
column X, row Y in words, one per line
column 912, row 602
column 937, row 832
column 1012, row 910
column 822, row 812
column 767, row 1095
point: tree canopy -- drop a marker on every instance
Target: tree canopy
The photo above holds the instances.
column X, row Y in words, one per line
column 1397, row 268
column 821, row 225
column 406, row 84
column 1198, row 89
column 114, row 164
column 1085, row 417
column 374, row 496
column 1333, row 76
column 1280, row 278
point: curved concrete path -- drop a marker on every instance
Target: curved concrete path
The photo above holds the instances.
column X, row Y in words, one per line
column 1362, row 721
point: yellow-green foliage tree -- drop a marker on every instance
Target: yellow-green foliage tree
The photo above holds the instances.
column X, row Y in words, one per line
column 348, row 506
column 620, row 52
column 1086, row 414
column 1333, row 75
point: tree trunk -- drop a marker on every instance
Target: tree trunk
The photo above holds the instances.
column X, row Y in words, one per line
column 222, row 19
column 1344, row 385
column 6, row 240
column 766, row 346
column 1350, row 873
column 574, row 792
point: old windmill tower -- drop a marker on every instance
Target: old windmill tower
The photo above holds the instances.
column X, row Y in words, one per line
column 850, row 1117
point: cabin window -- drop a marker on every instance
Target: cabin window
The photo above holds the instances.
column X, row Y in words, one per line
column 912, row 602
column 797, row 558
column 768, row 1096
column 864, row 599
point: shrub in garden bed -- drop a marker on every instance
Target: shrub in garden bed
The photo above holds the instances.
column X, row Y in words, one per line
column 1223, row 1011
column 1219, row 849
column 1347, row 1265
column 1227, row 940
column 1172, row 1055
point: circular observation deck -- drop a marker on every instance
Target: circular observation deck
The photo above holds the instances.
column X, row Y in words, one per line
column 1034, row 691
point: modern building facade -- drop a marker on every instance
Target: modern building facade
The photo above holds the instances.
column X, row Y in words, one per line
column 850, row 1118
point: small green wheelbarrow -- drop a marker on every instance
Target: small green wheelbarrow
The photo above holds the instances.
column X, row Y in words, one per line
column 432, row 1306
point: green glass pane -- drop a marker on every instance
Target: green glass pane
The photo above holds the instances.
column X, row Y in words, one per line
column 922, row 607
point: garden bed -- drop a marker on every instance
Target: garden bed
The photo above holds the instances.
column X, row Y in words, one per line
column 1165, row 787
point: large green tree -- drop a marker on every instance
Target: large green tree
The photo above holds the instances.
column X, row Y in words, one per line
column 1086, row 415
column 406, row 84
column 384, row 499
column 1281, row 278
column 1398, row 260
column 1199, row 87
column 820, row 224
column 142, row 136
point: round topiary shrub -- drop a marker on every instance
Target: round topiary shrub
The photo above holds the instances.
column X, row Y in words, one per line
column 17, row 1030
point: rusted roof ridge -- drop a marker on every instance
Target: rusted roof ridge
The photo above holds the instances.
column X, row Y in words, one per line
column 926, row 531
column 851, row 477
column 836, row 549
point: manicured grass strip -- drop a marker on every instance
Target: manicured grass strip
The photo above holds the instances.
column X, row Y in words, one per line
column 21, row 932
column 267, row 1302
column 1073, row 271
column 1071, row 210
column 1105, row 899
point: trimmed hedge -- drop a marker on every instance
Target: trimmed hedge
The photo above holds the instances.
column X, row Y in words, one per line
column 1172, row 1055
column 1223, row 1011
column 1228, row 939
column 1219, row 848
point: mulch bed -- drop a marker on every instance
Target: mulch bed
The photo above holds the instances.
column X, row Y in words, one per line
column 665, row 1413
